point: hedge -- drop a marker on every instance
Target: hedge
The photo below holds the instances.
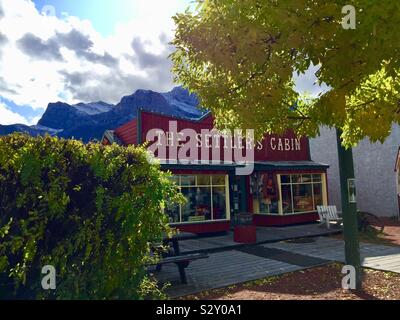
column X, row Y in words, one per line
column 88, row 210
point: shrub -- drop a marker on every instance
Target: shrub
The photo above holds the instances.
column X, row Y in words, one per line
column 88, row 210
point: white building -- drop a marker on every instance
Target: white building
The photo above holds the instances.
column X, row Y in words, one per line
column 374, row 165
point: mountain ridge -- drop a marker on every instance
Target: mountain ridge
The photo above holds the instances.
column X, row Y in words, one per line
column 88, row 121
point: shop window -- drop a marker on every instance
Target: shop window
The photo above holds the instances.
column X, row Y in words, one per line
column 287, row 199
column 198, row 205
column 306, row 178
column 301, row 192
column 318, row 200
column 206, row 195
column 218, row 180
column 203, row 180
column 302, row 197
column 316, row 178
column 296, row 178
column 219, row 204
column 265, row 193
column 188, row 180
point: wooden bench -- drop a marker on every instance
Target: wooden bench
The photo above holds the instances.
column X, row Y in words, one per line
column 327, row 214
column 182, row 262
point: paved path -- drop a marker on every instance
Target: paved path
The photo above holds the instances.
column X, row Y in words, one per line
column 374, row 256
column 229, row 267
column 264, row 235
column 221, row 269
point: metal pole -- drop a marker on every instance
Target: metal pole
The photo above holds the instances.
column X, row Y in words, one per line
column 349, row 209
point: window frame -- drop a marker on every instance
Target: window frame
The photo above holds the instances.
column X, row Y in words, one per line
column 211, row 185
column 321, row 181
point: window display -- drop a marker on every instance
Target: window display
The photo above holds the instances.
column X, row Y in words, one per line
column 264, row 191
column 301, row 192
column 206, row 197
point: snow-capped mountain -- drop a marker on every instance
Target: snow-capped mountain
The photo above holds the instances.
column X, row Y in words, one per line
column 88, row 121
column 93, row 107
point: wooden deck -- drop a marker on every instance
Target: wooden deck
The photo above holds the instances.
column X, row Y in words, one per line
column 221, row 269
column 230, row 263
column 264, row 235
column 380, row 257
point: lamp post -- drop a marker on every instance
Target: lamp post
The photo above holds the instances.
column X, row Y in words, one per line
column 349, row 208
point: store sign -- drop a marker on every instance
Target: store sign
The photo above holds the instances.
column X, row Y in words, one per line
column 187, row 146
column 285, row 144
column 216, row 139
column 189, row 141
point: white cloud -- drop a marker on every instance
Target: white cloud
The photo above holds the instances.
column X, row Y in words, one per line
column 9, row 117
column 306, row 83
column 46, row 59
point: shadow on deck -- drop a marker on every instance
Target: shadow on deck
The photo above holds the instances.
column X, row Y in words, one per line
column 230, row 263
column 222, row 242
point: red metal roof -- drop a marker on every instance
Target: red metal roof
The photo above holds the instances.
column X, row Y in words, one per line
column 127, row 133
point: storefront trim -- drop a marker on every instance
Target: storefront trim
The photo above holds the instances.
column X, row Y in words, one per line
column 264, row 220
column 175, row 224
column 204, row 227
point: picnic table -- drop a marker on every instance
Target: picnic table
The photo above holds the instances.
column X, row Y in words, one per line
column 174, row 240
column 182, row 261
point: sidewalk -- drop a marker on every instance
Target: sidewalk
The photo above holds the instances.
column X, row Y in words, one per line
column 264, row 235
column 380, row 257
column 246, row 263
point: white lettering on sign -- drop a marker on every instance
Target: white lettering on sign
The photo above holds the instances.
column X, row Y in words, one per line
column 211, row 139
column 238, row 147
column 285, row 144
column 189, row 142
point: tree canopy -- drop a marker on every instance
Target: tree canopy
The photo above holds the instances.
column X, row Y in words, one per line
column 240, row 58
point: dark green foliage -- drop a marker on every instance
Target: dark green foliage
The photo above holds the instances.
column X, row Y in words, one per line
column 88, row 210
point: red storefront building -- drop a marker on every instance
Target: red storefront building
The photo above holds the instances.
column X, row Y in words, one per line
column 284, row 187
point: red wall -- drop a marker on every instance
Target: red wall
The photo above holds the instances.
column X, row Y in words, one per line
column 199, row 228
column 280, row 220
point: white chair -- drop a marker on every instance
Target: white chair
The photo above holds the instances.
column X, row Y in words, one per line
column 327, row 214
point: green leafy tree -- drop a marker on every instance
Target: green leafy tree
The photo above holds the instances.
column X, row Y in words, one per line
column 90, row 211
column 240, row 58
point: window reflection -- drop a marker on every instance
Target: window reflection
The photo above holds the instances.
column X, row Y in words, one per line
column 206, row 197
column 264, row 191
column 286, row 199
column 302, row 197
column 219, row 203
column 198, row 205
column 301, row 192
